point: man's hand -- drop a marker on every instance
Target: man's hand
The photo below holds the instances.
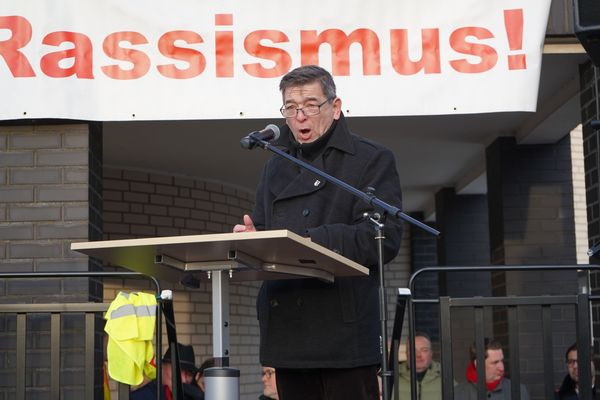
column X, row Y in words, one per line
column 248, row 225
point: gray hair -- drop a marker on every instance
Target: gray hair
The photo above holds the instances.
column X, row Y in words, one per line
column 308, row 74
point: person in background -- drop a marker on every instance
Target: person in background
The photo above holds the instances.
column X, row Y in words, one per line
column 188, row 370
column 208, row 363
column 429, row 373
column 569, row 390
column 323, row 338
column 497, row 386
column 269, row 384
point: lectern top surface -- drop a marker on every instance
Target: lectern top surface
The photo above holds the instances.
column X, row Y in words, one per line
column 198, row 252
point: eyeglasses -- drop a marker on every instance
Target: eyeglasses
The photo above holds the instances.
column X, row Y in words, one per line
column 571, row 362
column 308, row 110
column 268, row 373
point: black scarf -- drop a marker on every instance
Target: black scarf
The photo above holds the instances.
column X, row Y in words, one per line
column 310, row 151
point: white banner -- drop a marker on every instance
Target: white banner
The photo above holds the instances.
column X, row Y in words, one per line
column 193, row 59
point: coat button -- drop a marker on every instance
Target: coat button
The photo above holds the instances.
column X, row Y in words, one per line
column 274, row 303
column 305, row 212
column 299, row 301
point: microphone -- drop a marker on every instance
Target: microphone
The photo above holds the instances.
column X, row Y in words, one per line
column 271, row 132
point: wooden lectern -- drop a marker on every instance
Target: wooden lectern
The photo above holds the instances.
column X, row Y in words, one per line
column 277, row 254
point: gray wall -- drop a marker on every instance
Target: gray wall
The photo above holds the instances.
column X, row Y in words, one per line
column 49, row 197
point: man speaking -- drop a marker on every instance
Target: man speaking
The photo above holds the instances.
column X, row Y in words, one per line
column 323, row 338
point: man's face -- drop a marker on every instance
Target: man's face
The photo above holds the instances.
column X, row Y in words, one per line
column 572, row 365
column 494, row 365
column 166, row 373
column 307, row 129
column 423, row 353
column 186, row 376
column 269, row 383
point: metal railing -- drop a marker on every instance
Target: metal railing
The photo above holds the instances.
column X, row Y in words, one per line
column 580, row 301
column 56, row 311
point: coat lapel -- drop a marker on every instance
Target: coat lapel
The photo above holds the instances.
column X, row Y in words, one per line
column 290, row 181
column 301, row 183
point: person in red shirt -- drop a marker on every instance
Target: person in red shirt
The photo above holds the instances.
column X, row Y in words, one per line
column 497, row 385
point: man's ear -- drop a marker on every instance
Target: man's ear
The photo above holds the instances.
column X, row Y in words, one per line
column 337, row 108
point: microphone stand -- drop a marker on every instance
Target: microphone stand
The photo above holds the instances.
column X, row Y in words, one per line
column 382, row 209
column 593, row 250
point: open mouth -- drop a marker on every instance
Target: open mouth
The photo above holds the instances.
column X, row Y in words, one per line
column 304, row 135
column 305, row 131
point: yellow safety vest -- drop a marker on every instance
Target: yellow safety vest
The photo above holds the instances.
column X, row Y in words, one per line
column 130, row 322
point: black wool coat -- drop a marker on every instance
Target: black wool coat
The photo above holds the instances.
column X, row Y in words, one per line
column 308, row 323
column 567, row 390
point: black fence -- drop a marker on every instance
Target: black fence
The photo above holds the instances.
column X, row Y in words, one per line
column 544, row 307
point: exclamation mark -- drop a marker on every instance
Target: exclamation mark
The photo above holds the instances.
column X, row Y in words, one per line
column 513, row 22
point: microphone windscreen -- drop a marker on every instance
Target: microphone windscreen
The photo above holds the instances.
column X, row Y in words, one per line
column 275, row 129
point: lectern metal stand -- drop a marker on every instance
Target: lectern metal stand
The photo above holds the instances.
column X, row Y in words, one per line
column 220, row 317
column 225, row 257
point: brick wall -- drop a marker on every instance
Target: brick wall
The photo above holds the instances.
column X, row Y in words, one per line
column 463, row 220
column 579, row 195
column 532, row 221
column 46, row 179
column 43, row 200
column 397, row 274
column 590, row 109
column 423, row 253
column 590, row 77
column 142, row 204
column 465, row 241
